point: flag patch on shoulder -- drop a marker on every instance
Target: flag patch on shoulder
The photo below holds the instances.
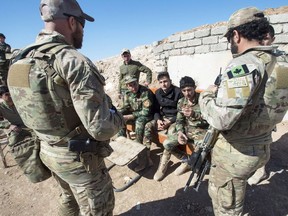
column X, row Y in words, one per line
column 238, row 71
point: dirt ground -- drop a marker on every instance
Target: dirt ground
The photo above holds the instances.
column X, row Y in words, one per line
column 147, row 197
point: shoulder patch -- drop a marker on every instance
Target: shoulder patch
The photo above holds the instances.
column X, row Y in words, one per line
column 146, row 103
column 238, row 71
column 238, row 82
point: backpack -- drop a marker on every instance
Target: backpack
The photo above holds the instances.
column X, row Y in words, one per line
column 32, row 80
column 276, row 88
column 25, row 145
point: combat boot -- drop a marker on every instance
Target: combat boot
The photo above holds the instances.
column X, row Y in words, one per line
column 149, row 160
column 258, row 176
column 159, row 175
column 142, row 161
column 184, row 167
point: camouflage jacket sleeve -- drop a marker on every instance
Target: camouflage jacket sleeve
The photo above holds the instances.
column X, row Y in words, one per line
column 4, row 124
column 239, row 81
column 86, row 86
column 147, row 105
column 148, row 72
column 180, row 118
column 120, row 78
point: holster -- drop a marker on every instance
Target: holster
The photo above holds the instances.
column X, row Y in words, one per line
column 91, row 152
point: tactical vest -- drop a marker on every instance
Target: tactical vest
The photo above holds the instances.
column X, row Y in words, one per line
column 35, row 88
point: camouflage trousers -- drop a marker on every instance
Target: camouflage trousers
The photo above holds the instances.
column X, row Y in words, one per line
column 231, row 166
column 82, row 193
column 171, row 145
column 140, row 123
column 4, row 66
column 14, row 137
column 151, row 128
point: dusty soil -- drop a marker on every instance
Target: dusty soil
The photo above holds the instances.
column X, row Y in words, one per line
column 147, row 197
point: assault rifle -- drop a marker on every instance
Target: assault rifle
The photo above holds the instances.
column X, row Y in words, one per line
column 200, row 158
column 199, row 161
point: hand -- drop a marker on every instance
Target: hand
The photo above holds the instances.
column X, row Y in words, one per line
column 166, row 124
column 146, row 84
column 160, row 125
column 212, row 88
column 187, row 111
column 128, row 117
column 15, row 128
column 182, row 139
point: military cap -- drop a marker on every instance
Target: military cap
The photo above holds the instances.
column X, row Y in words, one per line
column 125, row 51
column 2, row 35
column 60, row 9
column 243, row 16
column 186, row 82
column 129, row 79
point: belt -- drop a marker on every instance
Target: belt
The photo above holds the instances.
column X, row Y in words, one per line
column 70, row 135
column 240, row 147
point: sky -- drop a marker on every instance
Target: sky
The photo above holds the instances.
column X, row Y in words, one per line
column 123, row 23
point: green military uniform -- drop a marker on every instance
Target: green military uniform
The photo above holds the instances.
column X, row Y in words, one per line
column 4, row 63
column 132, row 68
column 140, row 105
column 252, row 98
column 194, row 127
column 10, row 116
column 71, row 105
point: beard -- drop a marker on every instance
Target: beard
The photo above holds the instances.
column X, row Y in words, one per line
column 234, row 47
column 77, row 37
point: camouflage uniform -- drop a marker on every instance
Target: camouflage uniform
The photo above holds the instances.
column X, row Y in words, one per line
column 133, row 68
column 9, row 116
column 4, row 63
column 194, row 127
column 165, row 108
column 77, row 104
column 245, row 112
column 140, row 105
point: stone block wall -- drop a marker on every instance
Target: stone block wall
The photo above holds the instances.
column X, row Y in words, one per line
column 208, row 39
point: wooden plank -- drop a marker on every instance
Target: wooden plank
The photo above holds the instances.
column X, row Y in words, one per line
column 124, row 150
column 160, row 137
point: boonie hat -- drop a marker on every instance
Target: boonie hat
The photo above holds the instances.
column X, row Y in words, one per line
column 60, row 9
column 243, row 16
column 125, row 51
column 129, row 79
column 2, row 35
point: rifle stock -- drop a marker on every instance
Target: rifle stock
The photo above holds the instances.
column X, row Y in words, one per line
column 199, row 161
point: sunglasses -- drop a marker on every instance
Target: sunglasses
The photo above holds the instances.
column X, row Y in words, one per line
column 78, row 19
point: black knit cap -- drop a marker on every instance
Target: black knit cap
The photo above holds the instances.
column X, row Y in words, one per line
column 3, row 89
column 186, row 81
column 2, row 35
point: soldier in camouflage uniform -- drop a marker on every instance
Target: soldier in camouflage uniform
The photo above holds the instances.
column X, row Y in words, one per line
column 4, row 63
column 72, row 108
column 10, row 118
column 133, row 68
column 190, row 128
column 137, row 109
column 251, row 99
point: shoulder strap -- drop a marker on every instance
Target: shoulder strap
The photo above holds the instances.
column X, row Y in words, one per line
column 42, row 47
